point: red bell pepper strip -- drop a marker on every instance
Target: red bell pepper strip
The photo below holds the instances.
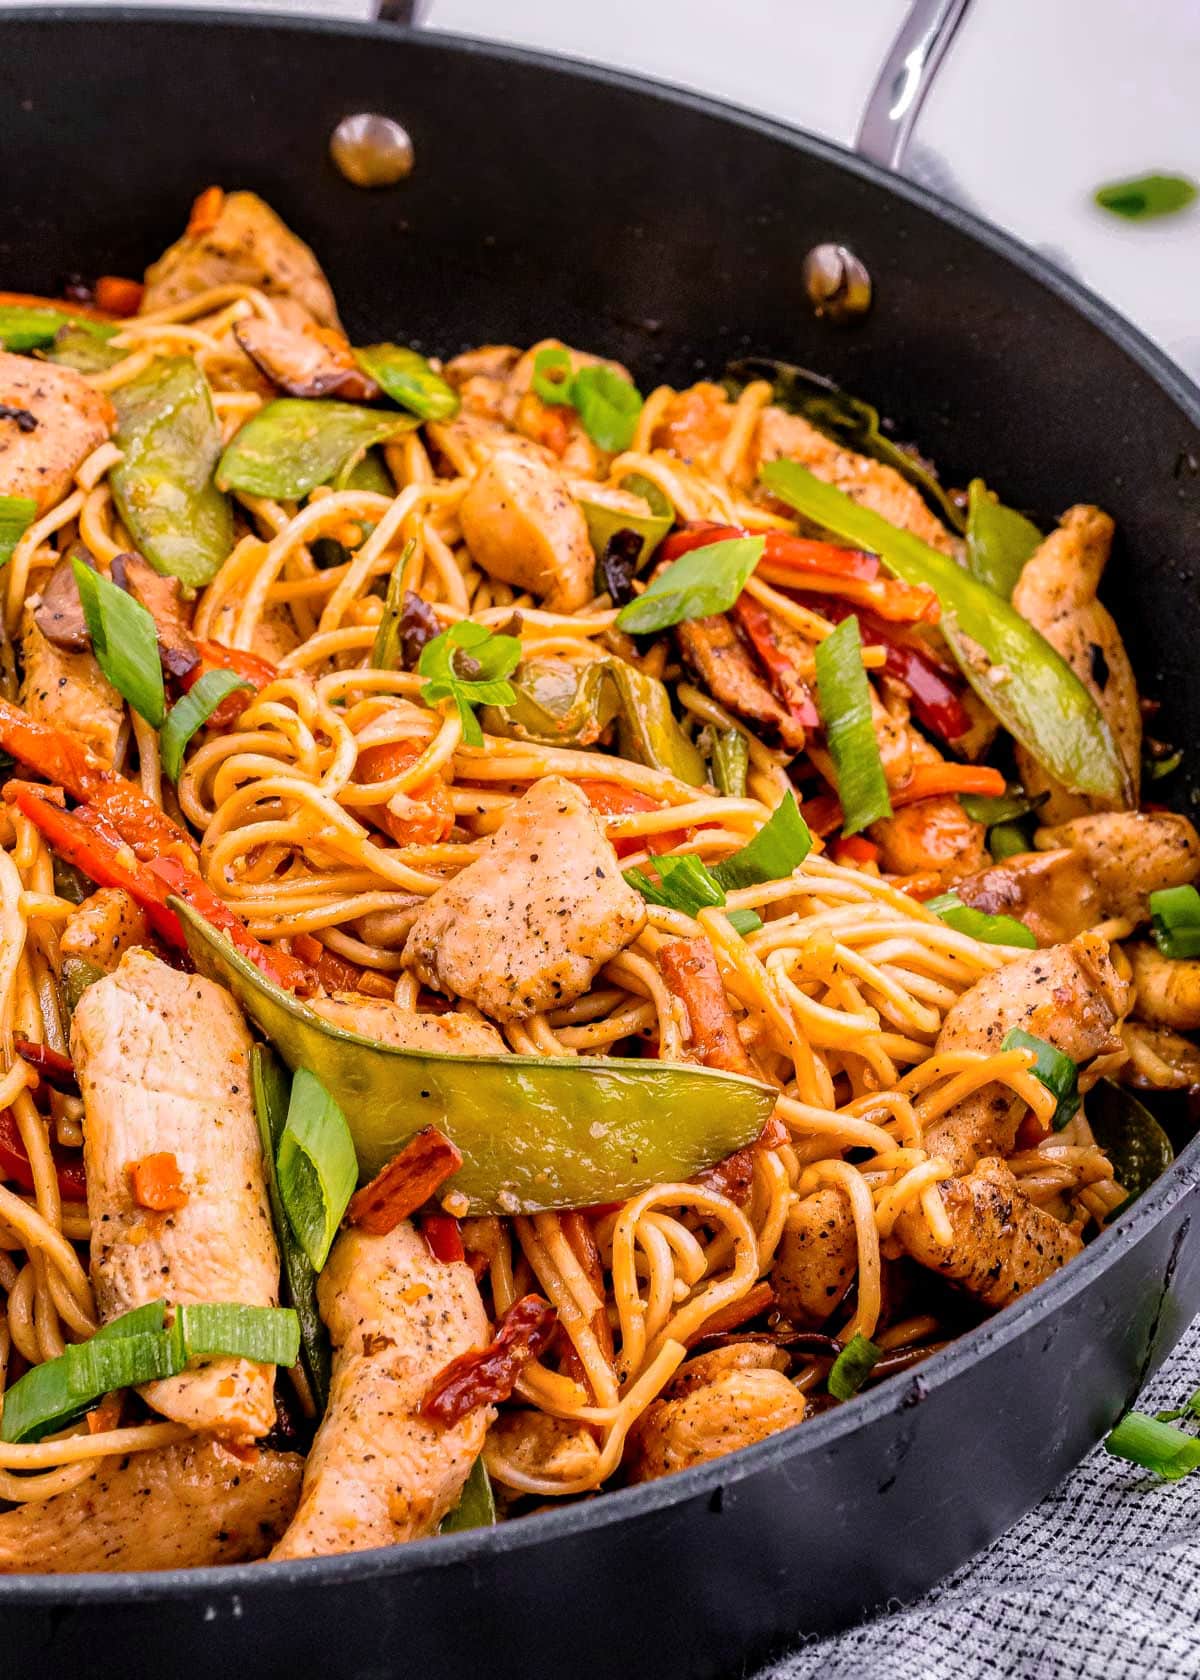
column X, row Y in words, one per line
column 15, row 1163
column 487, row 1376
column 442, row 1234
column 935, row 699
column 610, row 799
column 798, row 554
column 176, row 881
column 855, row 848
column 755, row 621
column 214, row 657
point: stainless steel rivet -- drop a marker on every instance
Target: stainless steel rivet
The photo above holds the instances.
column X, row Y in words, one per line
column 837, row 283
column 371, row 150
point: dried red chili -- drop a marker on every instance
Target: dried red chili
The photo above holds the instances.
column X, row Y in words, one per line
column 488, row 1375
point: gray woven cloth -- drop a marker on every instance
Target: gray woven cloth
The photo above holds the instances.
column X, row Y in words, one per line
column 1100, row 1582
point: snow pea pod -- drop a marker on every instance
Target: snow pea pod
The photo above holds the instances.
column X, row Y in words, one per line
column 407, row 378
column 296, row 443
column 168, row 432
column 999, row 540
column 1013, row 669
column 535, row 1132
column 30, row 324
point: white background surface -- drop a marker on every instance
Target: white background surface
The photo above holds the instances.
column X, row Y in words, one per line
column 1039, row 102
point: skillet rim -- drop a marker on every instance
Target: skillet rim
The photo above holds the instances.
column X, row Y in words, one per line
column 825, row 1431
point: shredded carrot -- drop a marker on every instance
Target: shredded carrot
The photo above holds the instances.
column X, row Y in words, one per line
column 105, row 1416
column 158, row 1183
column 928, row 781
column 690, row 971
column 118, row 296
column 206, row 212
column 405, row 1184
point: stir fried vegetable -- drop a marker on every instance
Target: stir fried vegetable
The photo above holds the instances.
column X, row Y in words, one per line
column 696, row 585
column 409, row 380
column 999, row 541
column 845, row 702
column 124, row 641
column 294, row 444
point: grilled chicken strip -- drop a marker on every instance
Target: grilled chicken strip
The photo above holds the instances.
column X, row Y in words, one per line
column 163, row 1065
column 817, row 1257
column 1056, row 592
column 70, row 692
column 180, row 1507
column 1002, row 1245
column 522, row 525
column 235, row 239
column 452, row 1034
column 1166, row 990
column 1054, row 893
column 715, row 1404
column 1130, row 854
column 50, row 421
column 1071, row 996
column 529, row 924
column 379, row 1473
column 713, row 648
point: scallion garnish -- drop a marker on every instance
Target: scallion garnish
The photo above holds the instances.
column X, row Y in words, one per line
column 468, row 664
column 844, row 701
column 1171, row 1453
column 990, row 930
column 852, row 1367
column 124, row 641
column 606, row 402
column 268, row 1335
column 1175, row 913
column 704, row 581
column 16, row 516
column 1058, row 1073
column 1189, row 1409
column 316, row 1167
column 730, row 760
column 386, row 650
column 192, row 712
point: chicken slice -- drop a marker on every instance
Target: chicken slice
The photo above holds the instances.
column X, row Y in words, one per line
column 1158, row 1059
column 789, row 437
column 50, row 421
column 1054, row 893
column 452, row 1034
column 180, row 1507
column 1071, row 996
column 163, row 1061
column 1002, row 1245
column 379, row 1473
column 715, row 1404
column 1130, row 854
column 536, row 1444
column 1056, row 592
column 522, row 525
column 529, row 924
column 103, row 928
column 817, row 1257
column 70, row 692
column 1166, row 989
column 713, row 648
column 237, row 239
column 305, row 361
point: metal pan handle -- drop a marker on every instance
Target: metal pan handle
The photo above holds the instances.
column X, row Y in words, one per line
column 905, row 79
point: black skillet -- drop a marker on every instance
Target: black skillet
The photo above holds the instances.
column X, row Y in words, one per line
column 668, row 231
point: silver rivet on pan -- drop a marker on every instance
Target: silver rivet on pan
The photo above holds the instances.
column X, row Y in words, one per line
column 371, row 150
column 837, row 284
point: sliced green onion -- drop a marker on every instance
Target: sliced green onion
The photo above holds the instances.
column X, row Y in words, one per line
column 779, row 847
column 1189, row 1409
column 268, row 1335
column 700, row 583
column 192, row 712
column 1058, row 1073
column 552, row 375
column 744, row 921
column 476, row 1506
column 385, row 650
column 316, row 1165
column 852, row 1367
column 989, row 930
column 1175, row 913
column 730, row 762
column 270, row 1087
column 684, row 883
column 1171, row 1453
column 16, row 516
column 844, row 701
column 608, row 404
column 124, row 641
column 1146, row 196
column 406, row 377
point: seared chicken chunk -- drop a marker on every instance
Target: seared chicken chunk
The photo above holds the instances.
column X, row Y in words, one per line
column 528, row 925
column 1003, row 1246
column 930, row 836
column 1166, row 990
column 715, row 1404
column 1071, row 996
column 236, row 239
column 180, row 1507
column 70, row 692
column 817, row 1257
column 380, row 1473
column 104, row 927
column 163, row 1061
column 50, row 421
column 1056, row 592
column 1054, row 893
column 522, row 526
column 451, row 1034
column 1130, row 854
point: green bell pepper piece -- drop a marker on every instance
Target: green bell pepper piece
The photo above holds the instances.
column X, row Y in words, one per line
column 1014, row 670
column 999, row 540
column 164, row 489
column 476, row 1506
column 535, row 1132
column 407, row 378
column 606, row 518
column 296, row 443
column 32, row 326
